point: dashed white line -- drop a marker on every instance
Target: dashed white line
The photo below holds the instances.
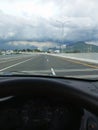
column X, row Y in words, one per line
column 14, row 65
column 53, row 72
column 47, row 60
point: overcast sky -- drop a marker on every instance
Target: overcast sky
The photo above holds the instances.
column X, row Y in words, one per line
column 46, row 21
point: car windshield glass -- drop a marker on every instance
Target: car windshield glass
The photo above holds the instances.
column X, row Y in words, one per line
column 49, row 37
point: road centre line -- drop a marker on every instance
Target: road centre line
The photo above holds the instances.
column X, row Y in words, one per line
column 14, row 65
column 53, row 72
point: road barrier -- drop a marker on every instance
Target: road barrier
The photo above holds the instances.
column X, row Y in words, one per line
column 87, row 57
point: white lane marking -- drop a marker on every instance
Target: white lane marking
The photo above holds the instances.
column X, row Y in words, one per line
column 47, row 60
column 75, row 70
column 14, row 65
column 11, row 59
column 57, row 70
column 53, row 72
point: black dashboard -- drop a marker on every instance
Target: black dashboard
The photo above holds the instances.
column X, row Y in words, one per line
column 46, row 103
column 38, row 114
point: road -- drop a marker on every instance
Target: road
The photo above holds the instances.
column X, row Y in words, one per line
column 38, row 64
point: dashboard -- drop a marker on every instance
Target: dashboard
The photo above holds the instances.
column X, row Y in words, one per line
column 43, row 103
column 38, row 114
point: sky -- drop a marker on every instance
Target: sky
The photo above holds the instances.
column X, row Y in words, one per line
column 40, row 23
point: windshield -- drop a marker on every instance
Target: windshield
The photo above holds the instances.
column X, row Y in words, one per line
column 49, row 37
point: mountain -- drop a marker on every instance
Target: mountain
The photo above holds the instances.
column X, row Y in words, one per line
column 81, row 47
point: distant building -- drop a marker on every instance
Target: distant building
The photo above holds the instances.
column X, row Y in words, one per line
column 57, row 51
column 8, row 52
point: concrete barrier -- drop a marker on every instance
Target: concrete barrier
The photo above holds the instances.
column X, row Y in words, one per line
column 87, row 57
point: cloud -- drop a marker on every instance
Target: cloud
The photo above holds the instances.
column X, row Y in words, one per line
column 43, row 21
column 29, row 44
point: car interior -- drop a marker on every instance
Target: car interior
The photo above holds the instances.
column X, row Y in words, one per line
column 48, row 103
column 48, row 64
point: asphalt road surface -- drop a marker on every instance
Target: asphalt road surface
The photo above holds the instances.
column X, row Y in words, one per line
column 43, row 64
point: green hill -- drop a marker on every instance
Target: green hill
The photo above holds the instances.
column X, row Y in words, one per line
column 81, row 47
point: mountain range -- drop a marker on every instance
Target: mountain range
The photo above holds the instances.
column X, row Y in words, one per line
column 81, row 47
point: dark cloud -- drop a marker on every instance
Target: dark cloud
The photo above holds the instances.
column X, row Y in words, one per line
column 73, row 23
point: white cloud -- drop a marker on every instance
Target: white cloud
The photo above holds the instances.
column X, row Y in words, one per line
column 51, row 8
column 41, row 20
column 93, row 43
column 40, row 45
column 28, row 8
